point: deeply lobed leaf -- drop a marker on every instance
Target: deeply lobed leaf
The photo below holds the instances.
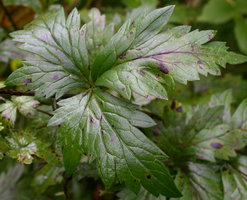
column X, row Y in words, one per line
column 175, row 53
column 105, row 128
column 61, row 58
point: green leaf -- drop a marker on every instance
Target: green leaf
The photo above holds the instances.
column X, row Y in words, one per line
column 205, row 134
column 221, row 11
column 142, row 195
column 160, row 54
column 240, row 30
column 152, row 3
column 180, row 141
column 241, row 6
column 135, row 78
column 132, row 3
column 61, row 61
column 136, row 3
column 105, row 127
column 234, row 179
column 203, row 117
column 200, row 181
column 222, row 99
column 219, row 142
column 184, row 14
column 214, row 84
column 217, row 11
column 130, row 34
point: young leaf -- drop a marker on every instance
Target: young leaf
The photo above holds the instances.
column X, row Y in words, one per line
column 8, row 110
column 24, row 104
column 24, row 145
column 105, row 127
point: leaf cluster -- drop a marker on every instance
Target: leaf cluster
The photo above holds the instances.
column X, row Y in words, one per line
column 93, row 84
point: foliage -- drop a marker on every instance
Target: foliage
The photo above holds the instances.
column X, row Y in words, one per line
column 105, row 108
column 221, row 11
column 36, row 5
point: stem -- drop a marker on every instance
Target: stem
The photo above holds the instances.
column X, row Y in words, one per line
column 16, row 92
column 26, row 93
column 87, row 6
column 67, row 180
column 54, row 104
column 42, row 111
column 97, row 193
column 8, row 15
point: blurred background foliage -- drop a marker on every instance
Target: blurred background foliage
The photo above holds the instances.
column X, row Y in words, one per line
column 44, row 179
